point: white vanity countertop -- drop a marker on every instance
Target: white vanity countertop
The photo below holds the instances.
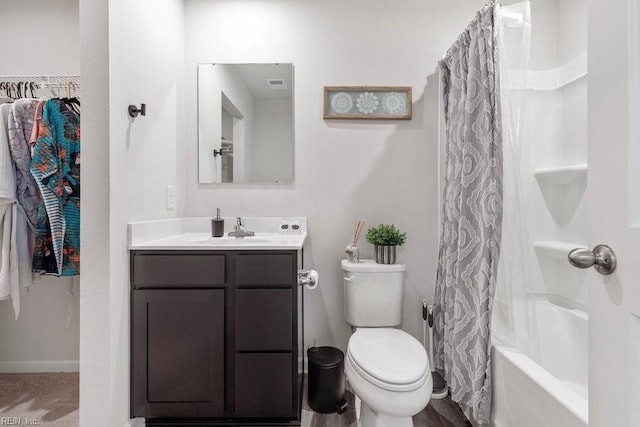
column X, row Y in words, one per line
column 194, row 233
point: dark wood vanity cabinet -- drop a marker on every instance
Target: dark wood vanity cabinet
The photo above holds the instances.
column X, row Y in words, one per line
column 216, row 336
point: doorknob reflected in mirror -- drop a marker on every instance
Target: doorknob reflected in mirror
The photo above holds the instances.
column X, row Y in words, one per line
column 602, row 258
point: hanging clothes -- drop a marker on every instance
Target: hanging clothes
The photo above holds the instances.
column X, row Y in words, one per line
column 37, row 120
column 20, row 122
column 55, row 166
column 9, row 287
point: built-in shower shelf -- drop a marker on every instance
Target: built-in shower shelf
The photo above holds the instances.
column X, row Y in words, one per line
column 551, row 79
column 559, row 77
column 556, row 249
column 562, row 174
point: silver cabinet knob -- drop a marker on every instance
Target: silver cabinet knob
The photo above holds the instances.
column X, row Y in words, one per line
column 602, row 258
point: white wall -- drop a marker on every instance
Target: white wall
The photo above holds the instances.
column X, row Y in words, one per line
column 40, row 339
column 132, row 53
column 557, row 32
column 572, row 29
column 273, row 146
column 29, row 27
column 544, row 34
column 146, row 53
column 377, row 171
column 95, row 358
column 145, row 66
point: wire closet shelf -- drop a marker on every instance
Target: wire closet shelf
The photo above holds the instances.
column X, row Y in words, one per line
column 40, row 86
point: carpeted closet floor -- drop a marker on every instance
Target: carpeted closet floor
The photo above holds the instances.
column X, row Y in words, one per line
column 52, row 400
column 49, row 399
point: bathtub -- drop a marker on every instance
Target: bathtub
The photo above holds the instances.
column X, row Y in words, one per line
column 552, row 390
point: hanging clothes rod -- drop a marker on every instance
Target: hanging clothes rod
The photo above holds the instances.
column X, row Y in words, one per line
column 44, row 77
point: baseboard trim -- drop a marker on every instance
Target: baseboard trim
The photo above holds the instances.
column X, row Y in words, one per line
column 135, row 422
column 35, row 366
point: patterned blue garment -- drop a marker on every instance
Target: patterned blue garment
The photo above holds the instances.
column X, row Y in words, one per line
column 55, row 166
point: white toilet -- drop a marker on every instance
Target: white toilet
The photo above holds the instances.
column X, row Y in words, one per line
column 387, row 368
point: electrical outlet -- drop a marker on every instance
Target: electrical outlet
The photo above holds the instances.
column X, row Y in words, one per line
column 171, row 197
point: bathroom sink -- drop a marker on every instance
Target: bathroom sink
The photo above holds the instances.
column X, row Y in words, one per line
column 195, row 234
column 227, row 240
column 205, row 241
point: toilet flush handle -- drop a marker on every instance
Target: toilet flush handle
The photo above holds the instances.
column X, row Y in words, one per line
column 349, row 277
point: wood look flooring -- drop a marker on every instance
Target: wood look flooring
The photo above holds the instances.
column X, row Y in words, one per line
column 52, row 400
column 438, row 413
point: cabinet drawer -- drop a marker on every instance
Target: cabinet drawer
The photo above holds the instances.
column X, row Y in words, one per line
column 263, row 319
column 168, row 270
column 264, row 385
column 265, row 269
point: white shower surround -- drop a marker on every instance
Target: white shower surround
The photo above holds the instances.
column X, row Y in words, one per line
column 551, row 391
column 540, row 355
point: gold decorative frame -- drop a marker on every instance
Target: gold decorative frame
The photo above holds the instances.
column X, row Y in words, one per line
column 367, row 102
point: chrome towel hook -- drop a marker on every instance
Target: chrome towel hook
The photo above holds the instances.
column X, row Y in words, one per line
column 134, row 111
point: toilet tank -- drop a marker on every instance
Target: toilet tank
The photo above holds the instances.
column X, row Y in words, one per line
column 373, row 293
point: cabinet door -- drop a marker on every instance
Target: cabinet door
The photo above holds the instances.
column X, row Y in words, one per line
column 178, row 353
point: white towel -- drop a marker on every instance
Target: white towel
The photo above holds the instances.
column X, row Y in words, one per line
column 7, row 171
column 24, row 249
column 9, row 279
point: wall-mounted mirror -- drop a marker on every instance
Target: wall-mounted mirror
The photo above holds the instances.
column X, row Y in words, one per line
column 245, row 123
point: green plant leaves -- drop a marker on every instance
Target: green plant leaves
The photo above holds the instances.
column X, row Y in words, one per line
column 385, row 234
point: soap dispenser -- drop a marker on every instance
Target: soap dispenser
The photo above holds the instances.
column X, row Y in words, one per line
column 217, row 225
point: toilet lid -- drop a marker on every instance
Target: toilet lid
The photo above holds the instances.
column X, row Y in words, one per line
column 389, row 357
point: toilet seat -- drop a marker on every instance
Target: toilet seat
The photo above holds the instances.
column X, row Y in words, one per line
column 388, row 358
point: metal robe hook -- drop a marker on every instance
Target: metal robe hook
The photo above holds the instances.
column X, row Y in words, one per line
column 134, row 111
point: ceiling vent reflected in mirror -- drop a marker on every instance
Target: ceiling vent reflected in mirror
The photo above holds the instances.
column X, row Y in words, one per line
column 276, row 84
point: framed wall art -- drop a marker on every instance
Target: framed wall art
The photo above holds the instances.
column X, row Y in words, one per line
column 367, row 102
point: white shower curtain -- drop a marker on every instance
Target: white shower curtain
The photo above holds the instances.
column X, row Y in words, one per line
column 513, row 314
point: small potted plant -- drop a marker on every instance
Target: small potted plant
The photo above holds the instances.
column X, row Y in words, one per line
column 384, row 239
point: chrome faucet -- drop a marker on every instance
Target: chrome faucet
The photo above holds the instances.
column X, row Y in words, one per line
column 239, row 230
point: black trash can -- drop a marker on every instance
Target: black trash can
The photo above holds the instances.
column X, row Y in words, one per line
column 326, row 380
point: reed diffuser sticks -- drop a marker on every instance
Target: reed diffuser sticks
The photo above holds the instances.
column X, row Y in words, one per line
column 352, row 251
column 357, row 231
